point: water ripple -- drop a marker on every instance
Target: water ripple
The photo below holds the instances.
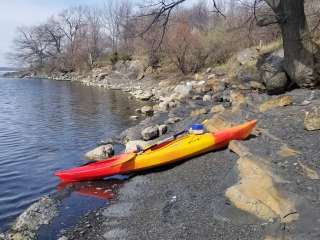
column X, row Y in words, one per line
column 46, row 126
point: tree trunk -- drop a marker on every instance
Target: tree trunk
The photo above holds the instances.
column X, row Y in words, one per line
column 300, row 52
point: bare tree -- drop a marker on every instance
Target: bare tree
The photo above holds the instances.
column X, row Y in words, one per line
column 114, row 16
column 301, row 53
column 30, row 46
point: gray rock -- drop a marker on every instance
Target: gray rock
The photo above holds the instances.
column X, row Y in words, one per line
column 147, row 110
column 40, row 212
column 182, row 91
column 272, row 72
column 163, row 129
column 100, row 152
column 132, row 146
column 150, row 133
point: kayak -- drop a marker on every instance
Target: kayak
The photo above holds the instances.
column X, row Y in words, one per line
column 182, row 148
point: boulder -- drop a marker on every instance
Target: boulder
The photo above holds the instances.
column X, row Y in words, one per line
column 272, row 72
column 312, row 120
column 150, row 133
column 101, row 152
column 147, row 110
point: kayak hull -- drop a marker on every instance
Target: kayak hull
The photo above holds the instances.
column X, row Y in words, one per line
column 182, row 148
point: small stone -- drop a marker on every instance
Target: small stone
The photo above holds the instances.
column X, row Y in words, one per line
column 150, row 133
column 312, row 120
column 173, row 120
column 63, row 238
column 134, row 117
column 162, row 129
column 147, row 110
column 206, row 98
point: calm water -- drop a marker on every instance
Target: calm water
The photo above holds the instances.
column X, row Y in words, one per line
column 49, row 125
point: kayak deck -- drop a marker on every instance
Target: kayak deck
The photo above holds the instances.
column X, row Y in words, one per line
column 184, row 147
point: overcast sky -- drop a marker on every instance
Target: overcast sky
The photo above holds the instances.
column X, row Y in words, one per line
column 14, row 13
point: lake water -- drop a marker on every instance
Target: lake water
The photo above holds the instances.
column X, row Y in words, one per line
column 49, row 125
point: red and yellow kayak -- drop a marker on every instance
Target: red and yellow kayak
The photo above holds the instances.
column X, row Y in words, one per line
column 184, row 147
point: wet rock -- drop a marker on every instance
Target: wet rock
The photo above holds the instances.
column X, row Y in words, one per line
column 275, row 102
column 206, row 98
column 147, row 110
column 100, row 152
column 26, row 225
column 162, row 129
column 150, row 133
column 312, row 120
column 134, row 145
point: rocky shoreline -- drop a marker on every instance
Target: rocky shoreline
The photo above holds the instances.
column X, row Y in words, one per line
column 266, row 187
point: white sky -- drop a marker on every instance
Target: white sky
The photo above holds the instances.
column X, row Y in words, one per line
column 14, row 13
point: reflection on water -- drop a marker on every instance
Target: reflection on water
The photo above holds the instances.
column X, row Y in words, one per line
column 49, row 125
column 104, row 190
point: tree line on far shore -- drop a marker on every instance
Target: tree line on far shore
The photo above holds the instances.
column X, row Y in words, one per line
column 192, row 36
